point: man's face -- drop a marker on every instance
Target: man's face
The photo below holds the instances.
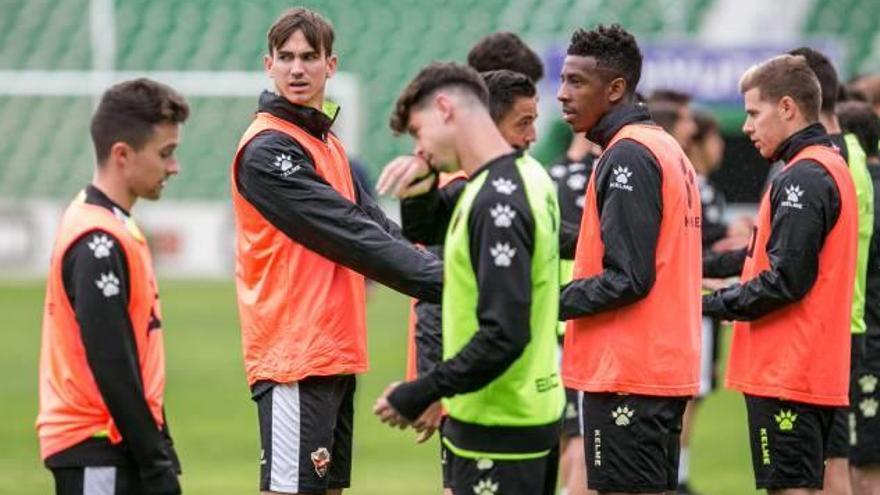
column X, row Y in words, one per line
column 764, row 124
column 518, row 124
column 433, row 137
column 148, row 169
column 685, row 127
column 584, row 92
column 300, row 72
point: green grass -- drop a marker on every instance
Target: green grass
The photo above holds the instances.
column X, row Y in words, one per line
column 214, row 422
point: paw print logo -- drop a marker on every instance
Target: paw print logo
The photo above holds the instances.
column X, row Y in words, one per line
column 283, row 162
column 503, row 253
column 869, row 407
column 576, row 182
column 503, row 215
column 622, row 415
column 109, row 284
column 504, row 186
column 793, row 193
column 622, row 175
column 557, row 171
column 485, row 487
column 101, row 246
column 868, row 383
column 321, row 460
column 785, row 420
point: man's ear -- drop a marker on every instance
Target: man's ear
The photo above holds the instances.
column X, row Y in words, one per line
column 616, row 90
column 787, row 108
column 267, row 63
column 443, row 103
column 332, row 63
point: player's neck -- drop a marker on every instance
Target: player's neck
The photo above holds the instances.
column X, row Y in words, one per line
column 115, row 189
column 481, row 142
column 830, row 122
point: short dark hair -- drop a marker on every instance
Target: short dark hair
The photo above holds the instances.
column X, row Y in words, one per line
column 613, row 48
column 505, row 50
column 129, row 110
column 679, row 98
column 433, row 77
column 786, row 75
column 665, row 113
column 505, row 86
column 317, row 30
column 858, row 117
column 706, row 123
column 825, row 73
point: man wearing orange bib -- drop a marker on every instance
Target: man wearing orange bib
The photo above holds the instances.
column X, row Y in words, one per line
column 101, row 423
column 306, row 236
column 791, row 342
column 632, row 345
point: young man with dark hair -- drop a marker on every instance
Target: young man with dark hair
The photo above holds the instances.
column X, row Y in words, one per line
column 102, row 424
column 499, row 380
column 633, row 340
column 791, row 343
column 837, row 478
column 864, row 456
column 306, row 236
column 513, row 105
column 505, row 50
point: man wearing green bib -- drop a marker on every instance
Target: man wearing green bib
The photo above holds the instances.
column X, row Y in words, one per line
column 499, row 379
column 837, row 476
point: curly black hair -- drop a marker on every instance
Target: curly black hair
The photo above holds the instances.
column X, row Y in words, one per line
column 431, row 78
column 614, row 48
column 505, row 50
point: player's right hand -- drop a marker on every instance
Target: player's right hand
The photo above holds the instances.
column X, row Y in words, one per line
column 406, row 176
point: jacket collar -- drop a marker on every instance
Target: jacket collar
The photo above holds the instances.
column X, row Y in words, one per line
column 808, row 136
column 610, row 123
column 316, row 123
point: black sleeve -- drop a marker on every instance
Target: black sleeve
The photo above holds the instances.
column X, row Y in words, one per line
column 291, row 195
column 804, row 206
column 368, row 203
column 501, row 231
column 426, row 217
column 724, row 264
column 628, row 191
column 568, row 239
column 96, row 279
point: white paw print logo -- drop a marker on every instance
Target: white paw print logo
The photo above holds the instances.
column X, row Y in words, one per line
column 868, row 383
column 869, row 407
column 283, row 162
column 557, row 171
column 576, row 182
column 580, row 201
column 485, row 487
column 503, row 253
column 109, row 284
column 101, row 246
column 794, row 193
column 622, row 175
column 622, row 415
column 502, row 215
column 504, row 186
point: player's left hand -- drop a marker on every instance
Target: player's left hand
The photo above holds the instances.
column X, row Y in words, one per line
column 386, row 412
column 428, row 422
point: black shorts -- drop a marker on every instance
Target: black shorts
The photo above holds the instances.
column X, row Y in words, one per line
column 306, row 434
column 109, row 480
column 508, row 477
column 865, row 451
column 571, row 420
column 631, row 442
column 789, row 441
column 843, row 427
